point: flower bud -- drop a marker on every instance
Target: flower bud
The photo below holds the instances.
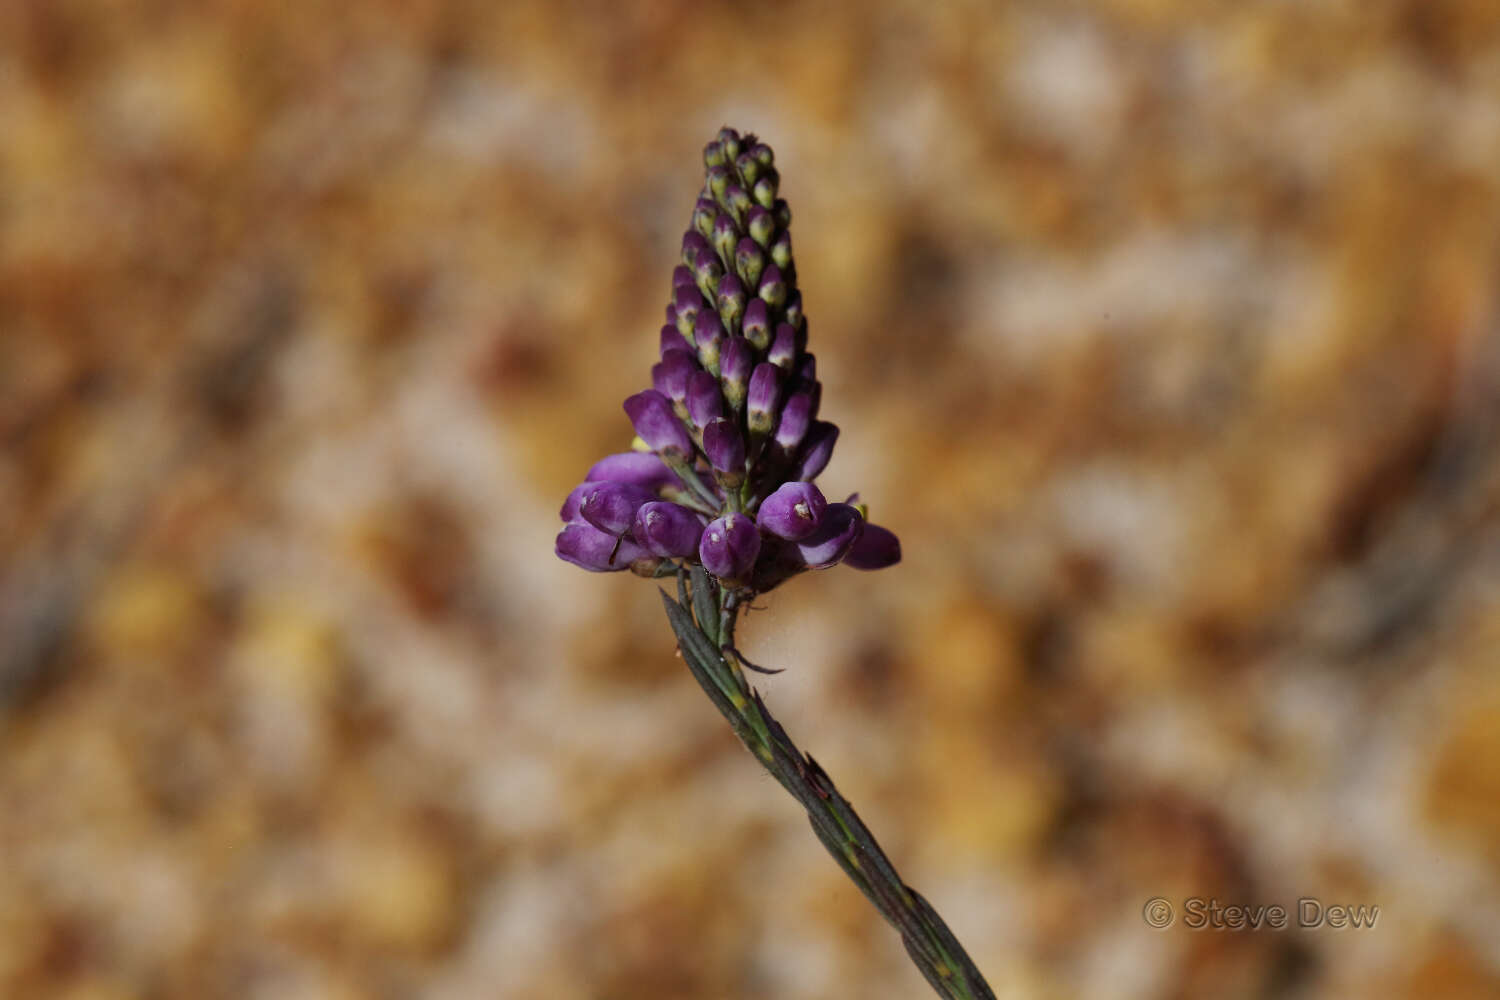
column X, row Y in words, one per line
column 713, row 154
column 749, row 262
column 773, row 287
column 688, row 303
column 807, row 368
column 729, row 546
column 639, row 468
column 708, row 335
column 731, row 301
column 705, row 213
column 817, row 449
column 793, row 312
column 763, row 154
column 737, row 200
column 793, row 512
column 783, row 350
column 761, row 397
column 765, row 188
column 725, row 235
column 718, row 180
column 704, row 402
column 761, row 226
column 667, row 529
column 781, row 249
column 757, row 324
column 725, row 447
column 586, row 546
column 651, row 414
column 708, row 270
column 671, row 340
column 841, row 527
column 782, row 213
column 670, row 375
column 749, row 168
column 611, row 507
column 796, row 416
column 876, row 548
column 729, row 142
column 736, row 361
column 694, row 244
column 682, row 276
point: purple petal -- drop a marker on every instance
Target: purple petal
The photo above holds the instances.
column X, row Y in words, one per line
column 708, row 334
column 682, row 277
column 611, row 507
column 654, row 420
column 793, row 512
column 877, row 548
column 585, row 545
column 796, row 415
column 835, row 536
column 668, row 530
column 724, row 445
column 688, row 302
column 762, row 397
column 757, row 324
column 704, row 401
column 783, row 352
column 671, row 340
column 670, row 376
column 569, row 512
column 729, row 546
column 639, row 468
column 817, row 449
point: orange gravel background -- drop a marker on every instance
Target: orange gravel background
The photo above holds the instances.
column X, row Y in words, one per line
column 1166, row 334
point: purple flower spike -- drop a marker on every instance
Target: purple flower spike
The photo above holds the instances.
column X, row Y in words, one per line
column 817, row 449
column 783, row 352
column 708, row 334
column 793, row 512
column 729, row 546
column 667, row 529
column 757, row 324
column 638, row 468
column 670, row 376
column 773, row 287
column 611, row 507
column 585, row 545
column 671, row 340
column 876, row 548
column 835, row 536
column 761, row 398
column 651, row 414
column 725, row 447
column 736, row 361
column 688, row 303
column 704, row 402
column 796, row 416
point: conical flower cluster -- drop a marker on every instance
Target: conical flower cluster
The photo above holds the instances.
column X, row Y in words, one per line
column 728, row 437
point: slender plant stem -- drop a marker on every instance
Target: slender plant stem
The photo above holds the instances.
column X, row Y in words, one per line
column 704, row 624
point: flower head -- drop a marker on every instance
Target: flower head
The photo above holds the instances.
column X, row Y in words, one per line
column 730, row 422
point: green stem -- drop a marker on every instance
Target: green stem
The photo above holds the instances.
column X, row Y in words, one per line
column 930, row 944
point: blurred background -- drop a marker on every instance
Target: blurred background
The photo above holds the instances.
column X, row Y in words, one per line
column 1166, row 334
